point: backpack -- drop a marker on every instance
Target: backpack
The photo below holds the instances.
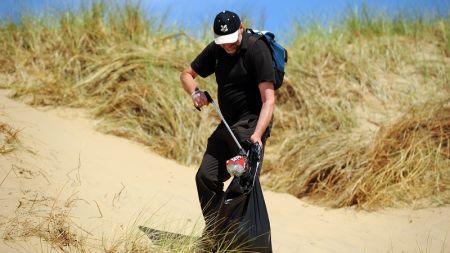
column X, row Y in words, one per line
column 279, row 53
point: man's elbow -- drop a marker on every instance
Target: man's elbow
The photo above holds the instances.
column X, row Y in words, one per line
column 269, row 102
column 270, row 97
column 188, row 73
column 183, row 74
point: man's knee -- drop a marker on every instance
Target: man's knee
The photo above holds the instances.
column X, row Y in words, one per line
column 203, row 179
column 199, row 177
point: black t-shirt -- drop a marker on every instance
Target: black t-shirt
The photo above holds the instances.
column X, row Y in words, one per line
column 237, row 76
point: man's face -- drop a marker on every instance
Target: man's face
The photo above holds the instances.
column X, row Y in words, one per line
column 231, row 48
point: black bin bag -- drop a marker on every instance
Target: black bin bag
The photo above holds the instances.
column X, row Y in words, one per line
column 242, row 220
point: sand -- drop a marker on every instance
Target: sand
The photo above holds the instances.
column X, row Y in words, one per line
column 107, row 185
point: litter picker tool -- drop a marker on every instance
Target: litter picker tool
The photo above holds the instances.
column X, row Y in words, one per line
column 209, row 98
column 237, row 165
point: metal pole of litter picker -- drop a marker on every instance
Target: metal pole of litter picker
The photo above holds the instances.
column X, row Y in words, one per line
column 223, row 120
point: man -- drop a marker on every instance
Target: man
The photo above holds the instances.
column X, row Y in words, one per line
column 245, row 77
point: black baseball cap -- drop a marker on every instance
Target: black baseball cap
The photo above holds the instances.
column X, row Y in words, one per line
column 226, row 27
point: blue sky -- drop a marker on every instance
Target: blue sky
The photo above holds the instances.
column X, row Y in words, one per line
column 277, row 16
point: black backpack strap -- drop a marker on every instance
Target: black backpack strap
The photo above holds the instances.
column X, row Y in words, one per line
column 250, row 42
column 253, row 38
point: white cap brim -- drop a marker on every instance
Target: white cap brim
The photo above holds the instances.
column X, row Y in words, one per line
column 224, row 39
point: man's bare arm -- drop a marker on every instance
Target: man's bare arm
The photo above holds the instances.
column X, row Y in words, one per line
column 265, row 116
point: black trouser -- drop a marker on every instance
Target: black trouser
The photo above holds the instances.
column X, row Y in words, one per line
column 213, row 172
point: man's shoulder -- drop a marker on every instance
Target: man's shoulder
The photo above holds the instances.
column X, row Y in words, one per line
column 257, row 46
column 210, row 50
column 212, row 46
column 253, row 39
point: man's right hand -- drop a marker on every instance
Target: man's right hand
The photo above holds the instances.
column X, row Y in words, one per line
column 199, row 99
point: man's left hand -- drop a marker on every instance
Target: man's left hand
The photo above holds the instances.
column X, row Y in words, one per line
column 256, row 139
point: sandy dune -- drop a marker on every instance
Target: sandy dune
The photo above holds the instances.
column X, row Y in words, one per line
column 108, row 183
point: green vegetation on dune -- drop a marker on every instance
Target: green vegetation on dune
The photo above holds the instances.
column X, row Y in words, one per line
column 362, row 119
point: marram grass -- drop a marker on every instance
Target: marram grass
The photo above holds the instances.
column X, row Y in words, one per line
column 8, row 138
column 362, row 118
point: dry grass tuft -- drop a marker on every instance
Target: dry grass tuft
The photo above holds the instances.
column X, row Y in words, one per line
column 405, row 163
column 408, row 160
column 8, row 138
column 173, row 237
column 42, row 217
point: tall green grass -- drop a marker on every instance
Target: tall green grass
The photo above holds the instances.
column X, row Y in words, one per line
column 363, row 113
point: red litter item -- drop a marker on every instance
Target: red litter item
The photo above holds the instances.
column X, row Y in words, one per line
column 236, row 166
